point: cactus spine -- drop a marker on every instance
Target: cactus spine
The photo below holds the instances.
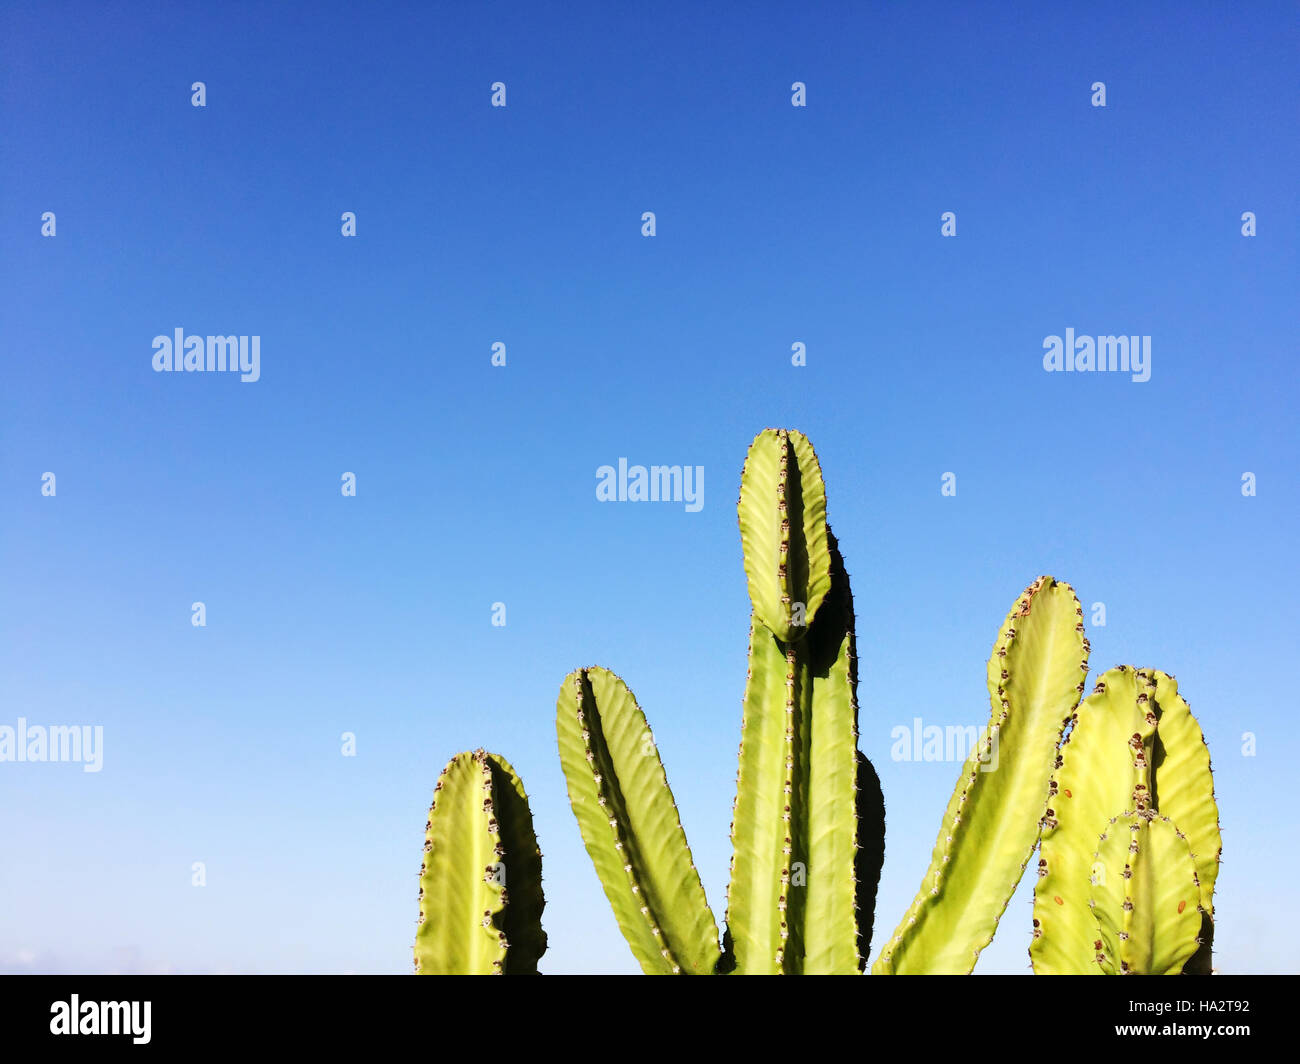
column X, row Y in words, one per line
column 479, row 839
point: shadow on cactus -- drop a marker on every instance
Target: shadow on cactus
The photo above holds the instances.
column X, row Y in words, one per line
column 1115, row 787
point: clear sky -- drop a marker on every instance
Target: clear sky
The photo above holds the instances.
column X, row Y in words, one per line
column 475, row 224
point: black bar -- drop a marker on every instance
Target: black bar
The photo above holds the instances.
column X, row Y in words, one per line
column 610, row 1014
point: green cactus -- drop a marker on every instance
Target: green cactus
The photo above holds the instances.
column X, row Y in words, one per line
column 1035, row 678
column 808, row 822
column 1123, row 805
column 792, row 897
column 479, row 841
column 1134, row 746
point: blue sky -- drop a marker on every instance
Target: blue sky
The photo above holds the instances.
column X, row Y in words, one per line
column 475, row 484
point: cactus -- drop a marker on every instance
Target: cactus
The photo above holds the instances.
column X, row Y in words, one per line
column 479, row 840
column 791, row 900
column 800, row 874
column 1035, row 678
column 808, row 822
column 1116, row 788
column 1135, row 746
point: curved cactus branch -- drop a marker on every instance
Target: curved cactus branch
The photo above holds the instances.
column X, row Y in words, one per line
column 1035, row 678
column 630, row 826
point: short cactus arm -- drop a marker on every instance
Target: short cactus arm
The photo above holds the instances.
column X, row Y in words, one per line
column 1145, row 897
column 479, row 815
column 1105, row 766
column 1135, row 745
column 991, row 825
column 630, row 826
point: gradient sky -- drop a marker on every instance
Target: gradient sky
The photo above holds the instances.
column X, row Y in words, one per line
column 522, row 225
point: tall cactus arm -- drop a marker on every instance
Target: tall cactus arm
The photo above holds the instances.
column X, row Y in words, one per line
column 1035, row 678
column 830, row 932
column 792, row 900
column 468, row 867
column 1145, row 897
column 763, row 830
column 630, row 826
column 783, row 531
